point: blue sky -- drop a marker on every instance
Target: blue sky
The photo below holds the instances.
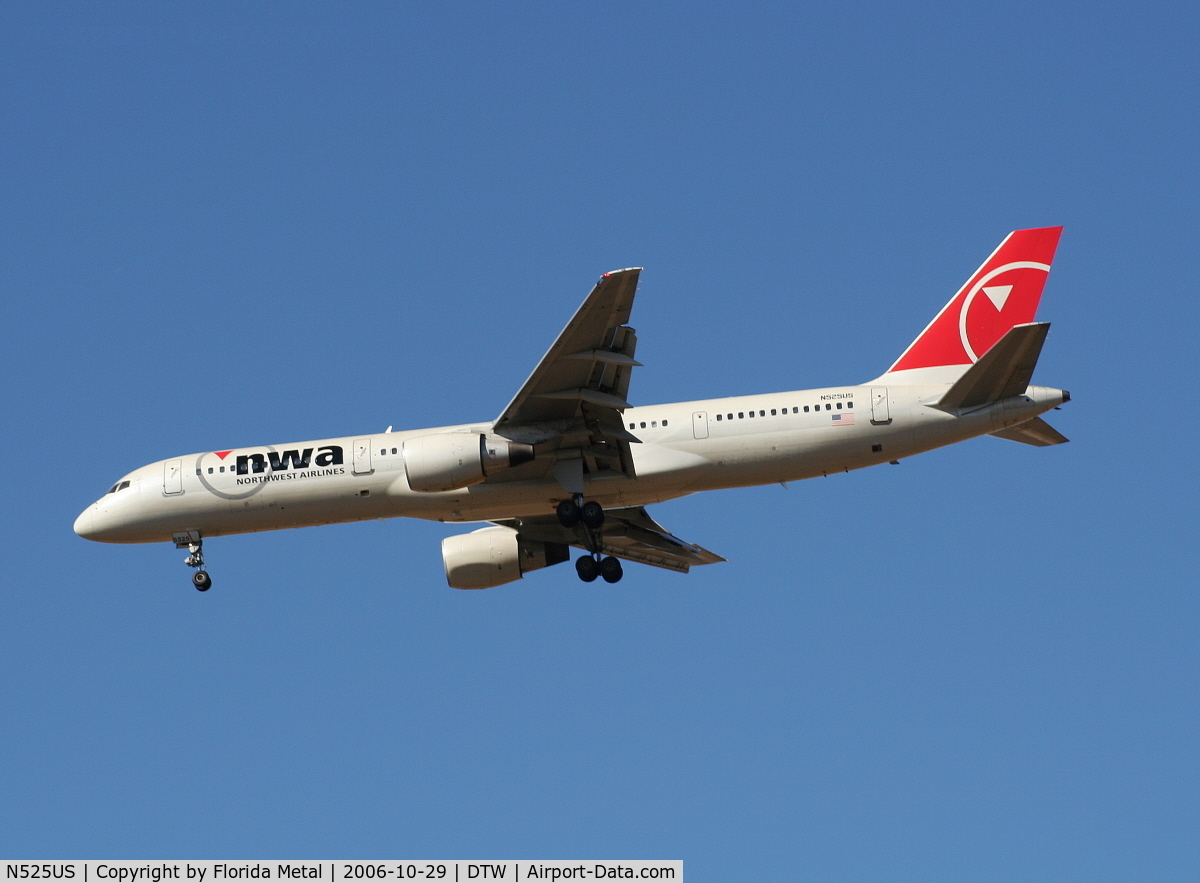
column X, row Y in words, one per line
column 242, row 224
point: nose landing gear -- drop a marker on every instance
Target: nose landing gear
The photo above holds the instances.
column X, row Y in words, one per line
column 192, row 541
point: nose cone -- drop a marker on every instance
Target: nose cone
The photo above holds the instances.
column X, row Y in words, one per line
column 84, row 525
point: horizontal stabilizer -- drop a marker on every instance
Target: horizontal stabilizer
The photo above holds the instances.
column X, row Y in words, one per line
column 1036, row 432
column 1004, row 371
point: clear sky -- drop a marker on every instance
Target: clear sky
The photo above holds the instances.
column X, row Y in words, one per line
column 229, row 224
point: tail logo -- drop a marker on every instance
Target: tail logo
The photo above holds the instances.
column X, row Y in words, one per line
column 1011, row 281
column 980, row 328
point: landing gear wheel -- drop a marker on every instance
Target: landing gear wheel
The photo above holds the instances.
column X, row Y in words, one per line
column 587, row 568
column 568, row 513
column 190, row 539
column 610, row 569
column 592, row 514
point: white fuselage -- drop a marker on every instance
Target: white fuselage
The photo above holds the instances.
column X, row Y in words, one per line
column 685, row 447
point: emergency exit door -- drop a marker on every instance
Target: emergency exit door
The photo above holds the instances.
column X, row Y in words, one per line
column 700, row 424
column 173, row 477
column 362, row 456
column 880, row 413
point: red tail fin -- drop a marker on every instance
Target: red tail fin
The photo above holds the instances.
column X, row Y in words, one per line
column 1002, row 293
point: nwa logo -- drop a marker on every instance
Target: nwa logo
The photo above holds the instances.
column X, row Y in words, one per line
column 282, row 461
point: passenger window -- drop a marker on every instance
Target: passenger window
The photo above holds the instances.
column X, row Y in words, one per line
column 795, row 410
column 751, row 413
column 741, row 414
column 393, row 450
column 633, row 426
column 729, row 417
column 654, row 424
column 210, row 470
column 222, row 468
column 643, row 424
column 828, row 407
column 806, row 409
column 839, row 406
column 772, row 412
column 719, row 417
column 849, row 405
column 384, row 451
column 762, row 413
column 664, row 423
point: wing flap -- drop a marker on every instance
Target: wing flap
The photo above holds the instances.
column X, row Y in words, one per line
column 583, row 393
column 628, row 533
column 572, row 404
column 593, row 354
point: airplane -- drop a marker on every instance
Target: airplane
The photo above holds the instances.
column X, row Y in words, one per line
column 569, row 463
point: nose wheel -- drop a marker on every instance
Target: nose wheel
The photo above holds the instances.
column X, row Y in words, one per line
column 192, row 541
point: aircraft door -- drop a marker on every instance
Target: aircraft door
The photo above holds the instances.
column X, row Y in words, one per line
column 880, row 412
column 173, row 477
column 700, row 424
column 362, row 456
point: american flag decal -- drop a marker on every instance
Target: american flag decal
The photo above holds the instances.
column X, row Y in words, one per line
column 843, row 419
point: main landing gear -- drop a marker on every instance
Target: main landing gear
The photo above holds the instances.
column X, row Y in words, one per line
column 195, row 546
column 591, row 514
column 572, row 512
column 592, row 565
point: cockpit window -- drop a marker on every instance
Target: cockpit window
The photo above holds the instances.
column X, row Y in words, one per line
column 123, row 485
column 119, row 486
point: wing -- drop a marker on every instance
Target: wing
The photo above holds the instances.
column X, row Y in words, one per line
column 570, row 407
column 627, row 533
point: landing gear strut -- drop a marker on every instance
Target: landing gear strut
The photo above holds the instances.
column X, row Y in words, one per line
column 571, row 513
column 195, row 546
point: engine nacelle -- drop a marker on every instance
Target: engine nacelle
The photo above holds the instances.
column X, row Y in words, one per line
column 452, row 460
column 492, row 556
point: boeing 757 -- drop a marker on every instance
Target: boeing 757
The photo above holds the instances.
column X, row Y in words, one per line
column 569, row 463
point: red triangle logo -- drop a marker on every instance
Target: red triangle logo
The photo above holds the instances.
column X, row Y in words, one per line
column 222, row 454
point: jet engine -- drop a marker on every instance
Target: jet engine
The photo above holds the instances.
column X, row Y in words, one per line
column 492, row 556
column 452, row 460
